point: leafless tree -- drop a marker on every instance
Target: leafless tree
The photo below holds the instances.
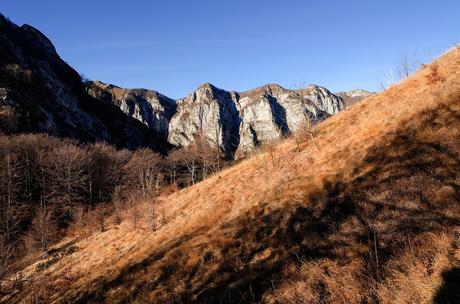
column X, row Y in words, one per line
column 6, row 255
column 405, row 69
column 43, row 228
column 134, row 211
column 9, row 186
column 67, row 169
column 152, row 216
column 100, row 217
column 207, row 156
column 143, row 173
column 104, row 170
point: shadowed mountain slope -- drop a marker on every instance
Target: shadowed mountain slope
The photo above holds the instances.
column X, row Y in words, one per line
column 39, row 92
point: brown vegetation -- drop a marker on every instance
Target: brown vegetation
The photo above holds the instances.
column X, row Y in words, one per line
column 52, row 188
column 364, row 209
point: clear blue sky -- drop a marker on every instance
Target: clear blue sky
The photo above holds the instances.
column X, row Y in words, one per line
column 173, row 46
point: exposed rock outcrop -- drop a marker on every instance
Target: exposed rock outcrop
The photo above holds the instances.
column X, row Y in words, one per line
column 351, row 97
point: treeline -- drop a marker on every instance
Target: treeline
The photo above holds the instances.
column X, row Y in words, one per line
column 45, row 182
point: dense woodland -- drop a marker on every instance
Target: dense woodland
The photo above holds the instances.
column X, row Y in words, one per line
column 48, row 185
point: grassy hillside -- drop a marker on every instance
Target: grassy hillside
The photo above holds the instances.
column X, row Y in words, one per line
column 364, row 208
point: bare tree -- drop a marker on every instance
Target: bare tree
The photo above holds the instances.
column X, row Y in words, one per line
column 43, row 228
column 103, row 171
column 208, row 156
column 187, row 157
column 9, row 186
column 152, row 216
column 405, row 70
column 6, row 255
column 134, row 212
column 67, row 169
column 143, row 173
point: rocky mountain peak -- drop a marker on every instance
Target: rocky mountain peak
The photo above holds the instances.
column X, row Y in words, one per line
column 39, row 41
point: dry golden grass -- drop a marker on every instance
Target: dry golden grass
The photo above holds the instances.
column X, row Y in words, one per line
column 367, row 211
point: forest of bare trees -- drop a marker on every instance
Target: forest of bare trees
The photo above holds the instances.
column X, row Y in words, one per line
column 48, row 184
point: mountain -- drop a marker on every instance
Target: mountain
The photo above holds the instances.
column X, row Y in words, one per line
column 351, row 97
column 363, row 209
column 39, row 92
column 237, row 122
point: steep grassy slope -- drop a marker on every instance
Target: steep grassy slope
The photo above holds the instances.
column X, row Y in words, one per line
column 367, row 212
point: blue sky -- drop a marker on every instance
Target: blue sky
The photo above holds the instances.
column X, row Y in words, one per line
column 173, row 46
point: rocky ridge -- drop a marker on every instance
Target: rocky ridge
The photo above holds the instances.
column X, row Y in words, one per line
column 237, row 122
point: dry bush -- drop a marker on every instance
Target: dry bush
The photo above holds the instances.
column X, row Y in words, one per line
column 79, row 226
column 41, row 290
column 306, row 133
column 6, row 257
column 43, row 229
column 274, row 157
column 433, row 76
column 117, row 202
column 169, row 189
column 133, row 209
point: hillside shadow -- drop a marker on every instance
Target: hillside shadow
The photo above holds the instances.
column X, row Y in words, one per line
column 389, row 202
column 449, row 293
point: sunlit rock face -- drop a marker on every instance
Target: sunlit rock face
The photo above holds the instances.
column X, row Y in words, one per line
column 236, row 122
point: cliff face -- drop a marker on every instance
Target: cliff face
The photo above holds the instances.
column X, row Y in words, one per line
column 149, row 107
column 271, row 112
column 42, row 93
column 236, row 122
